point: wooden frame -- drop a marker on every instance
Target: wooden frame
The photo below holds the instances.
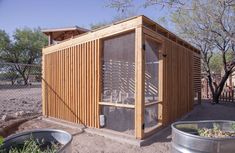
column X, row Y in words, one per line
column 148, row 35
column 139, row 87
column 72, row 70
column 101, row 57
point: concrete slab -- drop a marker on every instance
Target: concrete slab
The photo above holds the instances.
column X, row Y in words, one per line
column 110, row 134
column 114, row 135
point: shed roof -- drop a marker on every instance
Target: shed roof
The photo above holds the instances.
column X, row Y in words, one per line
column 147, row 22
column 60, row 34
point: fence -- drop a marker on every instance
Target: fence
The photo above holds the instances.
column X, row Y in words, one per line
column 19, row 74
column 227, row 96
column 20, row 88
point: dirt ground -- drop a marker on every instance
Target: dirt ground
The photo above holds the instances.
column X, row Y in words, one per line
column 89, row 143
column 20, row 99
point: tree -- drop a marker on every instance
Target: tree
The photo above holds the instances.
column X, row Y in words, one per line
column 25, row 48
column 210, row 26
column 120, row 16
column 10, row 75
column 98, row 25
column 203, row 25
column 216, row 62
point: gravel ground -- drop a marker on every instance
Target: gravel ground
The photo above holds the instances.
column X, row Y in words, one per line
column 20, row 99
column 89, row 143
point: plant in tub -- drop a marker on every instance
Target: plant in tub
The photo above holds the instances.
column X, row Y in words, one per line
column 216, row 132
column 1, row 142
column 31, row 146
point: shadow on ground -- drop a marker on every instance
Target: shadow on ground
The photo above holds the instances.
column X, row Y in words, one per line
column 87, row 143
column 205, row 111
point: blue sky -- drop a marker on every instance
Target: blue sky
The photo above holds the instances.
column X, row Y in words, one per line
column 60, row 13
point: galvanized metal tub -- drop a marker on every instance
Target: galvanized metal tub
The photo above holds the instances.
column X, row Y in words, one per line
column 47, row 136
column 185, row 138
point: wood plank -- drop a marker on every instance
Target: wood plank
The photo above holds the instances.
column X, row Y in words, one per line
column 117, row 105
column 94, row 83
column 63, row 83
column 43, row 86
column 139, row 84
column 80, row 84
column 69, row 85
column 73, row 84
column 55, row 84
column 59, row 83
column 98, row 78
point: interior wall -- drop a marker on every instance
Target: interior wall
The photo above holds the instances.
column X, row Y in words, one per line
column 71, row 84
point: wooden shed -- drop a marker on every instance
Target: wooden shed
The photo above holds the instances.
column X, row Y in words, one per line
column 133, row 76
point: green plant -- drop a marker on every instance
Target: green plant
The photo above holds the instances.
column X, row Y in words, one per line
column 214, row 133
column 216, row 126
column 233, row 126
column 34, row 146
column 1, row 140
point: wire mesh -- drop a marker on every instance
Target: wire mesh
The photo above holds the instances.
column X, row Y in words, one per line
column 20, row 89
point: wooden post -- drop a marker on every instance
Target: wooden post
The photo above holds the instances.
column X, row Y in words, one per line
column 139, row 84
column 162, row 107
column 50, row 39
column 223, row 97
column 229, row 95
column 199, row 97
column 232, row 95
column 207, row 89
column 43, row 87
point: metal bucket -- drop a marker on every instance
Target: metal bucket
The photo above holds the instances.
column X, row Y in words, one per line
column 186, row 140
column 47, row 136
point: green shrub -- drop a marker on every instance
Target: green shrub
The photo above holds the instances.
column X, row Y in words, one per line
column 32, row 146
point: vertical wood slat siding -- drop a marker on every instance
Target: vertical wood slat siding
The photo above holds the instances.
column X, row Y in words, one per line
column 196, row 73
column 70, row 83
column 178, row 82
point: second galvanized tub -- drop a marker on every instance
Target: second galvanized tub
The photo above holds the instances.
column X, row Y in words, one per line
column 185, row 138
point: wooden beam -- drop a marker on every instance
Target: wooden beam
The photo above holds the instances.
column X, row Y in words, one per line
column 99, row 77
column 50, row 39
column 139, row 82
column 43, row 86
column 162, row 84
column 117, row 105
column 155, row 35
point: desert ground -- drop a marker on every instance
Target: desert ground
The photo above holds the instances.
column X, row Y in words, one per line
column 90, row 143
column 28, row 100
